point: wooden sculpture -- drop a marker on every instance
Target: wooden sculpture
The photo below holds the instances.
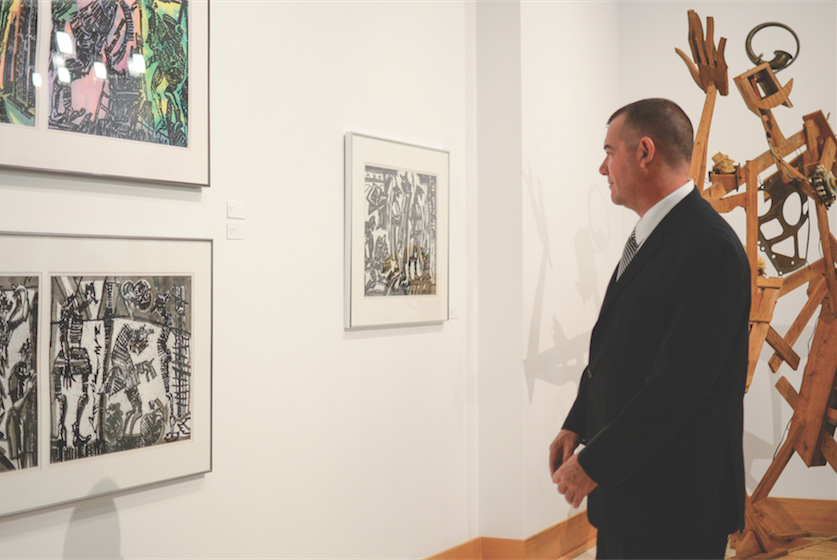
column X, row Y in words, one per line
column 770, row 530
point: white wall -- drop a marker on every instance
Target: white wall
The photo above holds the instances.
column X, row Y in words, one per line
column 382, row 443
column 326, row 443
column 572, row 234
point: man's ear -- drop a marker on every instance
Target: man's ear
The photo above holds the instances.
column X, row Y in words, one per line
column 647, row 151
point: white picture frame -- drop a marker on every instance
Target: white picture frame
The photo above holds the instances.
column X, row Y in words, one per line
column 44, row 147
column 397, row 227
column 49, row 260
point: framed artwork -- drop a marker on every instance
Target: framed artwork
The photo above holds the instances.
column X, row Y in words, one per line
column 105, row 365
column 396, row 233
column 115, row 88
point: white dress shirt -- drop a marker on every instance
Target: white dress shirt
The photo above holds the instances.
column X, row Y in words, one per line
column 655, row 215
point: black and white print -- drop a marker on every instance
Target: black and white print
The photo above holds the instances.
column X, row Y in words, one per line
column 18, row 376
column 400, row 229
column 120, row 363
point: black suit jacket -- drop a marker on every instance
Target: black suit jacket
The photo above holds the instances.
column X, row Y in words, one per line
column 660, row 405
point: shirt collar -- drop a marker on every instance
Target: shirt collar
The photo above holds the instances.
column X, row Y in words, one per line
column 655, row 215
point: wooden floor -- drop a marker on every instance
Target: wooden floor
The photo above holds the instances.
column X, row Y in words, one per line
column 825, row 550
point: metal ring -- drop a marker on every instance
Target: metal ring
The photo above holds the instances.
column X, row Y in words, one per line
column 758, row 59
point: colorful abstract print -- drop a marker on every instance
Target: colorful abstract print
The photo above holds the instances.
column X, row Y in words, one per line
column 18, row 38
column 119, row 68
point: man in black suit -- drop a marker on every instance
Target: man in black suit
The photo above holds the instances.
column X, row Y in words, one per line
column 660, row 405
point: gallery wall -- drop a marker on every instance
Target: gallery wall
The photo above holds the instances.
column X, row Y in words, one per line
column 327, row 443
column 401, row 442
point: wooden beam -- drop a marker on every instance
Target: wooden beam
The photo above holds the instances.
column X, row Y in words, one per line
column 788, row 392
column 802, row 277
column 729, row 203
column 814, row 394
column 829, row 451
column 767, row 159
column 782, row 348
column 751, row 179
column 800, row 322
column 833, row 249
column 697, row 169
column 777, row 522
column 780, row 461
column 828, row 257
column 828, row 154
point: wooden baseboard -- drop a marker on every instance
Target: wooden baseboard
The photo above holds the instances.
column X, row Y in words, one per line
column 566, row 539
column 470, row 550
column 574, row 535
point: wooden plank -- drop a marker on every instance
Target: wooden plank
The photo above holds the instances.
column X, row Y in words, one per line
column 697, row 169
column 771, row 283
column 763, row 313
column 801, row 321
column 782, row 348
column 767, row 159
column 781, row 97
column 828, row 153
column 787, row 391
column 715, row 192
column 802, row 277
column 758, row 334
column 816, row 389
column 751, row 179
column 818, row 517
column 777, row 522
column 833, row 249
column 829, row 451
column 729, row 203
column 780, row 461
column 828, row 257
column 747, row 546
column 567, row 539
column 812, row 153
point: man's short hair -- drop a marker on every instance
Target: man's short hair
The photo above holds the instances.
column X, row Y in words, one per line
column 665, row 123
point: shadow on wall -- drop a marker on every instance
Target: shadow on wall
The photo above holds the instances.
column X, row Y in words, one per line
column 94, row 526
column 564, row 362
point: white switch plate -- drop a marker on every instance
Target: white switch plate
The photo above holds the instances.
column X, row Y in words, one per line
column 236, row 209
column 236, row 231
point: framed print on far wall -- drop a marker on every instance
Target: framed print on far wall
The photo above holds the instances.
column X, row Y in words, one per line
column 108, row 381
column 396, row 245
column 116, row 89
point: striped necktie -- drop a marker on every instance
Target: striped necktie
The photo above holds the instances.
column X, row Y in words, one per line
column 628, row 254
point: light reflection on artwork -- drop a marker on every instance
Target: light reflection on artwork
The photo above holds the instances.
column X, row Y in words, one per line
column 120, row 363
column 119, row 68
column 18, row 41
column 400, row 246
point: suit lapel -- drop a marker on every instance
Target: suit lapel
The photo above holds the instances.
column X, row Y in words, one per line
column 648, row 249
